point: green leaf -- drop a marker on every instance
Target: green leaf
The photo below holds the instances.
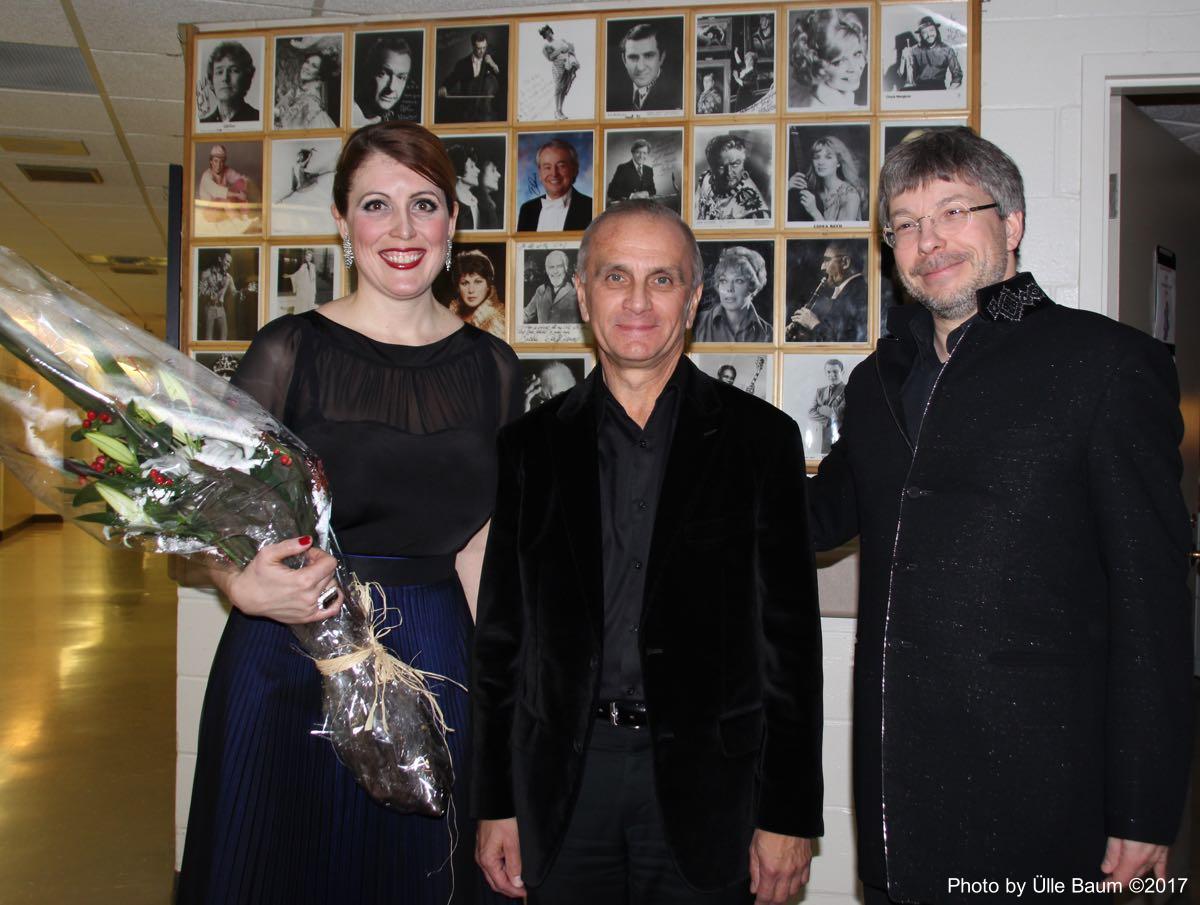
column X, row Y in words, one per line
column 86, row 494
column 114, row 449
column 99, row 518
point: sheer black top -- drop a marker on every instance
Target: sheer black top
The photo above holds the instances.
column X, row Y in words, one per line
column 406, row 433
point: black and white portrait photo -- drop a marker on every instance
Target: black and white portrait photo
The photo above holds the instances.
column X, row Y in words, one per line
column 473, row 288
column 471, row 74
column 556, row 73
column 828, row 181
column 308, row 82
column 225, row 294
column 481, row 167
column 828, row 59
column 644, row 72
column 224, row 364
column 734, row 173
column 738, row 303
column 303, row 278
column 302, row 185
column 555, row 176
column 925, row 56
column 229, row 84
column 814, row 394
column 896, row 133
column 749, row 372
column 387, row 77
column 547, row 374
column 735, row 63
column 228, row 188
column 548, row 308
column 826, row 291
column 644, row 163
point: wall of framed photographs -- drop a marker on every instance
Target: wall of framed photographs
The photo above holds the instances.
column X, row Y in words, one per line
column 763, row 125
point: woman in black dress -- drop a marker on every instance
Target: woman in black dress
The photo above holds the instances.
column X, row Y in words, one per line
column 402, row 401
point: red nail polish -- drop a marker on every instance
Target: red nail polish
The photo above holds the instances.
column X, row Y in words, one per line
column 305, row 541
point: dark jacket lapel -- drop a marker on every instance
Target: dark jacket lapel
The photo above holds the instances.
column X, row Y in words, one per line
column 572, row 435
column 696, row 433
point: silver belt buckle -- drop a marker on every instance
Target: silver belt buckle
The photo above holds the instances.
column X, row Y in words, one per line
column 613, row 714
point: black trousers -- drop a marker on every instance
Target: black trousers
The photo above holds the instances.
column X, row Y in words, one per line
column 615, row 851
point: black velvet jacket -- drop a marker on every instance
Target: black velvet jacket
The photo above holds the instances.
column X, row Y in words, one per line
column 1023, row 661
column 730, row 637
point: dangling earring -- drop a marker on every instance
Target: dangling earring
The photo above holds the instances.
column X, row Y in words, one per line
column 449, row 245
column 348, row 251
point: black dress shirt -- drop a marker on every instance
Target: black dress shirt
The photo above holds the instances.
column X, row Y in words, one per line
column 918, row 386
column 631, row 461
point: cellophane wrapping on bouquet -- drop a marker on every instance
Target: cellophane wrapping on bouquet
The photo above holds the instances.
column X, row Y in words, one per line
column 178, row 461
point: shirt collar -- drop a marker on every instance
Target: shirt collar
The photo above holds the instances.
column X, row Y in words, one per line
column 604, row 397
column 564, row 201
column 921, row 327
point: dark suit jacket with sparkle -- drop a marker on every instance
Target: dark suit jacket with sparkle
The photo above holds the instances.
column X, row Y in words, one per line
column 730, row 640
column 1023, row 663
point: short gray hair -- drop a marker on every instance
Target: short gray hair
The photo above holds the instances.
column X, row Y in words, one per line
column 558, row 144
column 951, row 154
column 643, row 207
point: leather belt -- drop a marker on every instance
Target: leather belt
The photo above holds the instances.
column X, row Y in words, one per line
column 631, row 714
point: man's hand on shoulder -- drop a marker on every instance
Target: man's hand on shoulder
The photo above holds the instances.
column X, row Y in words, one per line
column 778, row 866
column 498, row 853
column 1125, row 859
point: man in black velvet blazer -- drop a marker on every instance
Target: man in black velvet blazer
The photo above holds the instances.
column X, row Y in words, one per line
column 1022, row 688
column 647, row 666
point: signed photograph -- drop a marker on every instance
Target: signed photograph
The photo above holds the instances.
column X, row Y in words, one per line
column 547, row 374
column 547, row 310
column 828, row 57
column 308, row 82
column 303, row 278
column 826, row 291
column 750, row 372
column 644, row 163
column 387, row 77
column 481, row 170
column 738, row 303
column 924, row 56
column 644, row 69
column 735, row 63
column 828, row 175
column 473, row 288
column 302, row 185
column 225, row 294
column 556, row 73
column 555, row 179
column 814, row 394
column 733, row 184
column 471, row 74
column 229, row 84
column 228, row 188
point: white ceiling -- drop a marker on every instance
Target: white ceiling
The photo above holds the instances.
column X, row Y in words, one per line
column 135, row 49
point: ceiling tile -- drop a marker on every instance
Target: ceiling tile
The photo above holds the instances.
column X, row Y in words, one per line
column 38, row 23
column 150, row 115
column 155, row 148
column 37, row 110
column 144, row 24
column 154, row 174
column 152, row 75
column 102, row 147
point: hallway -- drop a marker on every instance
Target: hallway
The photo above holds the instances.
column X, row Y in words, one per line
column 87, row 722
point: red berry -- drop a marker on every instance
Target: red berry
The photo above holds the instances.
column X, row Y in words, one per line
column 82, row 480
column 91, row 416
column 120, row 469
column 101, row 458
column 87, row 425
column 285, row 461
column 170, row 482
column 105, row 418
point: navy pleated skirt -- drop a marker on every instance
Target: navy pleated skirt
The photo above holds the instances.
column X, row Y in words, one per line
column 275, row 818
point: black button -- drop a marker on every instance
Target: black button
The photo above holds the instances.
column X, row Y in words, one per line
column 593, row 662
column 630, row 692
column 637, row 563
column 642, row 444
column 633, row 628
column 578, row 746
column 641, row 504
column 909, row 567
column 915, row 492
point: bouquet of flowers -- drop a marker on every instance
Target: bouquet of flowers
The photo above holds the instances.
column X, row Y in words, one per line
column 179, row 461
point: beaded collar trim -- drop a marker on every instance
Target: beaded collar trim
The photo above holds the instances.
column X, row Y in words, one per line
column 1012, row 299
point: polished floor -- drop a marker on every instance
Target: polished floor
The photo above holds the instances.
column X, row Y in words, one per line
column 87, row 722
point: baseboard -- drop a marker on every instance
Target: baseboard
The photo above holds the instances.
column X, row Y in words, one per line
column 38, row 518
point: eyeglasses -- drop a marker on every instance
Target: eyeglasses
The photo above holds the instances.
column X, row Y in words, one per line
column 948, row 221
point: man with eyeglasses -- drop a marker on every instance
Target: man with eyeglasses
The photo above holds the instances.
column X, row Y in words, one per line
column 1011, row 468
